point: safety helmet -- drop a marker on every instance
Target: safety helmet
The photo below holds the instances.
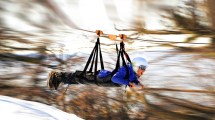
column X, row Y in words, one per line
column 139, row 63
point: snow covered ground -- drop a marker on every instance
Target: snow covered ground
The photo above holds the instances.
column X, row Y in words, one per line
column 16, row 109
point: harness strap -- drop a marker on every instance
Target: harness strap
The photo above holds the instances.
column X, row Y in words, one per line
column 93, row 55
column 117, row 50
column 93, row 60
column 127, row 56
column 95, row 69
column 88, row 61
column 101, row 59
column 91, row 67
column 121, row 53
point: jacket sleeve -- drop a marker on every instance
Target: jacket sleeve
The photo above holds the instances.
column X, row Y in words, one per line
column 132, row 76
column 119, row 77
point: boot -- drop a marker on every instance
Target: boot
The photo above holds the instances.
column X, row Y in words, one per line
column 54, row 79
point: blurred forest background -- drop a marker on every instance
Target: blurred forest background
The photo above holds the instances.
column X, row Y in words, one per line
column 177, row 36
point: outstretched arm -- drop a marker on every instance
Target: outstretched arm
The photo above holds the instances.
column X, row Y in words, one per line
column 131, row 84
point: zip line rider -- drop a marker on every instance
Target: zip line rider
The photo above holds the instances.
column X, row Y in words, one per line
column 128, row 74
column 136, row 70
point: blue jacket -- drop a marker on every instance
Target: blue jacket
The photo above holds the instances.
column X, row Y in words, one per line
column 119, row 77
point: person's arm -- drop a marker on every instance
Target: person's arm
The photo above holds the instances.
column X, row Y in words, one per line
column 132, row 76
column 142, row 86
column 131, row 84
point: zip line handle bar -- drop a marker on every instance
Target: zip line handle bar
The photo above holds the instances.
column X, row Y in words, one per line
column 113, row 37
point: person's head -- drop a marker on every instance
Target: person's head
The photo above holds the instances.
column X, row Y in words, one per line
column 139, row 65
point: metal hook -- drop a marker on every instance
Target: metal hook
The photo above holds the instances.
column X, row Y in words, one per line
column 122, row 36
column 99, row 32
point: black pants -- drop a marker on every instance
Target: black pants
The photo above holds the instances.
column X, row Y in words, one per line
column 87, row 78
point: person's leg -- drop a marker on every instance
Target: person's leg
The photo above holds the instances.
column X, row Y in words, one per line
column 68, row 77
column 55, row 78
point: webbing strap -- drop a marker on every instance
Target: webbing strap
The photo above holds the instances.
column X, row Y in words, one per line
column 127, row 56
column 118, row 60
column 123, row 59
column 95, row 69
column 93, row 55
column 121, row 54
column 92, row 63
column 101, row 59
column 117, row 50
column 124, row 63
column 88, row 61
column 93, row 59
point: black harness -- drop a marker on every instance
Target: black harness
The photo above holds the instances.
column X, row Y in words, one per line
column 90, row 76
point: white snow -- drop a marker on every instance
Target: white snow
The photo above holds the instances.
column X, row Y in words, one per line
column 17, row 109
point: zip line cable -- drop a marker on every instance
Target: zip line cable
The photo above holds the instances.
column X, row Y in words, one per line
column 130, row 38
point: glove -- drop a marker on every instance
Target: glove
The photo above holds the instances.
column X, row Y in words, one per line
column 131, row 85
